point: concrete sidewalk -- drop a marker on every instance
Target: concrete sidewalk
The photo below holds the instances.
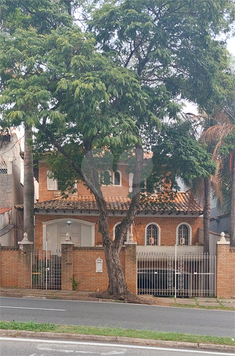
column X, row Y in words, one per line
column 199, row 302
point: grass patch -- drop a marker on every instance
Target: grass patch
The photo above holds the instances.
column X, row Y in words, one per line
column 105, row 331
column 219, row 307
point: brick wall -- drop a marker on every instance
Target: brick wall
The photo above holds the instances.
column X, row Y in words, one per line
column 9, row 267
column 85, row 269
column 80, row 264
column 15, row 267
column 225, row 271
column 168, row 226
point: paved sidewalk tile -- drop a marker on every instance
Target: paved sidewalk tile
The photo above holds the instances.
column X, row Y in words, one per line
column 208, row 304
column 205, row 300
column 228, row 303
column 185, row 301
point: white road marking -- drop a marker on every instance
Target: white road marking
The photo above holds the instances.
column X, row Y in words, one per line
column 44, row 348
column 115, row 345
column 114, row 352
column 57, row 349
column 64, row 350
column 5, row 306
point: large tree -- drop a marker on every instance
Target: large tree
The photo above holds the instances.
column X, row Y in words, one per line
column 81, row 99
column 171, row 45
column 43, row 16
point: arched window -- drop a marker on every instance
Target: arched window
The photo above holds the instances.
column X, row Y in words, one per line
column 183, row 235
column 152, row 235
column 117, row 178
column 115, row 232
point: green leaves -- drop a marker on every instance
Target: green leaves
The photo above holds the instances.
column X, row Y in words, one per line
column 171, row 43
column 178, row 154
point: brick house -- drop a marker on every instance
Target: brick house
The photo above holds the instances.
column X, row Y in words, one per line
column 155, row 232
column 153, row 228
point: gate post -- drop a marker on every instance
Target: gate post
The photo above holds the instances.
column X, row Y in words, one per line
column 225, row 269
column 67, row 264
column 25, row 265
column 131, row 266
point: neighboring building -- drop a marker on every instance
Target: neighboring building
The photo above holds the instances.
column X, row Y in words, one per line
column 178, row 222
column 11, row 188
column 219, row 221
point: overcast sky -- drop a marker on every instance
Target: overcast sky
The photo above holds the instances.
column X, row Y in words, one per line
column 231, row 45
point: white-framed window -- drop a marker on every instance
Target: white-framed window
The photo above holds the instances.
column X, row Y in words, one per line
column 52, row 183
column 152, row 235
column 115, row 230
column 184, row 234
column 131, row 176
column 117, row 178
column 105, row 178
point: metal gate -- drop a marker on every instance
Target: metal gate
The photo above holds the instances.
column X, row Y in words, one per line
column 180, row 276
column 46, row 270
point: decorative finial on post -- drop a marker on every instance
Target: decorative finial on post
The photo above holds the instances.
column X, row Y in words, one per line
column 25, row 237
column 222, row 237
column 67, row 237
column 25, row 240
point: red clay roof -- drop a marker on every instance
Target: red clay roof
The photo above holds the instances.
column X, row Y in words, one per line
column 4, row 210
column 182, row 203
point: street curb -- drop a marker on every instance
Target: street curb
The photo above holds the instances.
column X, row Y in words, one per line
column 116, row 339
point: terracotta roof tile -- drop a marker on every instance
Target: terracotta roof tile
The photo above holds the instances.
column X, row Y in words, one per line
column 183, row 203
column 4, row 210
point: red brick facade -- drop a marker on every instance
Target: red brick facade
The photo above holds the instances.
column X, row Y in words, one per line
column 225, row 271
column 167, row 225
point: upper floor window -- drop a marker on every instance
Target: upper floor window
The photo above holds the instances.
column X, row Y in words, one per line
column 51, row 182
column 152, row 235
column 131, row 175
column 116, row 230
column 117, row 178
column 3, row 167
column 105, row 178
column 183, row 237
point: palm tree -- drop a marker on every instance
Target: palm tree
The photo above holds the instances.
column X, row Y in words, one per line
column 215, row 138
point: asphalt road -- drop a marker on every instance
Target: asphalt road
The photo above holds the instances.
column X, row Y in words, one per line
column 37, row 347
column 127, row 316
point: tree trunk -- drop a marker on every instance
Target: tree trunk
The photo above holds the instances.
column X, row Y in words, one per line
column 232, row 218
column 206, row 213
column 28, row 185
column 117, row 285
